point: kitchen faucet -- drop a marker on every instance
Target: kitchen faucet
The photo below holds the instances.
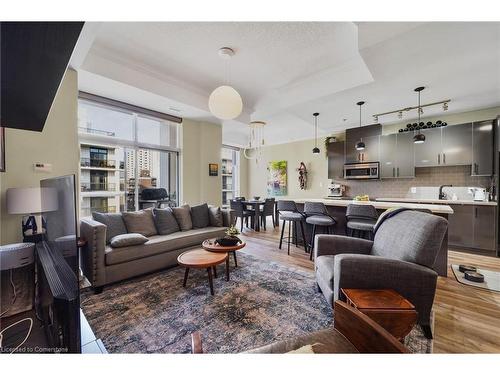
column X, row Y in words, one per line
column 441, row 194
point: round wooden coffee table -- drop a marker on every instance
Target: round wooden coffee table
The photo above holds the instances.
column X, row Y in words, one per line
column 201, row 259
column 211, row 246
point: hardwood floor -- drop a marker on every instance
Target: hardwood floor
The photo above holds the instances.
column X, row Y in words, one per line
column 466, row 319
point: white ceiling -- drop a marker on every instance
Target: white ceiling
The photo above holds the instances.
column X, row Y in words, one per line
column 286, row 71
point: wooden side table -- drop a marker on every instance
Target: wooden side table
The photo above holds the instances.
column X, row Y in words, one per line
column 201, row 259
column 385, row 306
column 210, row 245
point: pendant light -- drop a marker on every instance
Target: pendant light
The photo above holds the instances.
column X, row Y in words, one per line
column 316, row 149
column 360, row 146
column 225, row 102
column 419, row 137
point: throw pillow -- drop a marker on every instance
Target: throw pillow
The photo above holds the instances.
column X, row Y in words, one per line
column 215, row 217
column 140, row 222
column 165, row 221
column 128, row 239
column 199, row 216
column 114, row 224
column 183, row 216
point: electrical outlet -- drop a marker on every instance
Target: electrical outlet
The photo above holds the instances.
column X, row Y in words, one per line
column 413, row 190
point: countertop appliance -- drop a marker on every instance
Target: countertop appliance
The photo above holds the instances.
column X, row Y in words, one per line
column 336, row 190
column 479, row 194
column 362, row 171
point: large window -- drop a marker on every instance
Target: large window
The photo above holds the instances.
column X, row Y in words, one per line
column 230, row 174
column 129, row 157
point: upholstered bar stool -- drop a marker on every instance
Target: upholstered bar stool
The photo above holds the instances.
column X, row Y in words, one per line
column 288, row 211
column 317, row 215
column 361, row 219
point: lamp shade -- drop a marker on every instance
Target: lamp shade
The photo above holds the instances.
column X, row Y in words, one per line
column 225, row 103
column 31, row 200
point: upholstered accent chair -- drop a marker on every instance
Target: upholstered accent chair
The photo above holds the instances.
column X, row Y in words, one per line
column 401, row 257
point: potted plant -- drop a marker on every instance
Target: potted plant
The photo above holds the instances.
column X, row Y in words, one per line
column 231, row 237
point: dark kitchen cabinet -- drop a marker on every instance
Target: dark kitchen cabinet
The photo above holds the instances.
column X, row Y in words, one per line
column 428, row 154
column 335, row 152
column 482, row 148
column 461, row 226
column 405, row 156
column 388, row 146
column 370, row 136
column 484, row 227
column 457, row 145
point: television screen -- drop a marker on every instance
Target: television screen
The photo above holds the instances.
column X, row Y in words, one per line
column 59, row 292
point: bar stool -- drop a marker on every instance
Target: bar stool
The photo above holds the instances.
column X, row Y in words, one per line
column 288, row 211
column 361, row 219
column 317, row 215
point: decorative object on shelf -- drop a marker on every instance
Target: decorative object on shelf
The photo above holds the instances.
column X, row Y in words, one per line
column 316, row 149
column 213, row 169
column 419, row 137
column 225, row 102
column 255, row 140
column 2, row 149
column 360, row 145
column 231, row 238
column 28, row 202
column 302, row 176
column 419, row 108
column 277, row 178
column 328, row 140
column 421, row 125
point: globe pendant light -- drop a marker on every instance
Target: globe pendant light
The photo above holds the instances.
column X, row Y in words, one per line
column 316, row 149
column 225, row 102
column 419, row 137
column 360, row 145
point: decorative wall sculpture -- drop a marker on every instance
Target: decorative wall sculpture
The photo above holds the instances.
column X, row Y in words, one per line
column 302, row 176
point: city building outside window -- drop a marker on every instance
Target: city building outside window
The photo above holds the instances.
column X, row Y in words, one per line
column 230, row 174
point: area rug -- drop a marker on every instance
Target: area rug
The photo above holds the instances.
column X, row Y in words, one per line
column 263, row 302
column 491, row 278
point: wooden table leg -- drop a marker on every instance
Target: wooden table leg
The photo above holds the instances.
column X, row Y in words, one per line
column 227, row 268
column 186, row 273
column 210, row 280
column 215, row 272
column 235, row 261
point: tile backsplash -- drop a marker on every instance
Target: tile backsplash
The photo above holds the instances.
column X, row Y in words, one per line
column 428, row 176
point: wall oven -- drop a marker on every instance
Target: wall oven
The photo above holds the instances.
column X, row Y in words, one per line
column 362, row 171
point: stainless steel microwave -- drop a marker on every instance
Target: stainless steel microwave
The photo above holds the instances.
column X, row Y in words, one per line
column 362, row 171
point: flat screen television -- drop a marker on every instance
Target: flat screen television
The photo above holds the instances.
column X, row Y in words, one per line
column 58, row 292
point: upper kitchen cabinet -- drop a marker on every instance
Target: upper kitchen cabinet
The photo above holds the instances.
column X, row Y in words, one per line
column 457, row 145
column 335, row 152
column 369, row 134
column 428, row 154
column 388, row 155
column 482, row 148
column 405, row 157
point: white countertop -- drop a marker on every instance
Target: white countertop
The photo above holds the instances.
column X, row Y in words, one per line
column 438, row 201
column 434, row 208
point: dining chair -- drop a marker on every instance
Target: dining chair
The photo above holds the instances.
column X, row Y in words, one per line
column 288, row 211
column 268, row 210
column 317, row 215
column 240, row 212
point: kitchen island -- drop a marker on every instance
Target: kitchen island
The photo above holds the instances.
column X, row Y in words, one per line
column 337, row 209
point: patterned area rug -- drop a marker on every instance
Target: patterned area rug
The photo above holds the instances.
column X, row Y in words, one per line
column 262, row 303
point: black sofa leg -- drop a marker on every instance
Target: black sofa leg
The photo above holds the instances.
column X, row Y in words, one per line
column 427, row 331
column 98, row 289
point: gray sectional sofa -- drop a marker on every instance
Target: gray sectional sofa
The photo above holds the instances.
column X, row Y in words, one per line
column 104, row 264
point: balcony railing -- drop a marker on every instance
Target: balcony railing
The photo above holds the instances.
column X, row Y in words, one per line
column 87, row 211
column 98, row 186
column 97, row 163
column 82, row 129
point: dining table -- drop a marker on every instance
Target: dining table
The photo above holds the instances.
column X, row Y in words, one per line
column 256, row 207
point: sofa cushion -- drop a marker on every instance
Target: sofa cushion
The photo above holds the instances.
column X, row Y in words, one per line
column 324, row 265
column 165, row 221
column 215, row 217
column 114, row 224
column 160, row 244
column 183, row 216
column 199, row 216
column 128, row 239
column 140, row 222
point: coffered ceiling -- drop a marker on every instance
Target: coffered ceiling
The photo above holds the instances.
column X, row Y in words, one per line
column 286, row 71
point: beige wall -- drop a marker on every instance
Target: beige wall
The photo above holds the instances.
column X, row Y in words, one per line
column 201, row 145
column 57, row 144
column 244, row 165
column 317, row 166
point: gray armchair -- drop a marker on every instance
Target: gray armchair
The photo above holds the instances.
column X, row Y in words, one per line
column 400, row 257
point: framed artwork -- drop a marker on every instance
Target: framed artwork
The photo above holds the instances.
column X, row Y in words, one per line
column 2, row 149
column 277, row 178
column 213, row 169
